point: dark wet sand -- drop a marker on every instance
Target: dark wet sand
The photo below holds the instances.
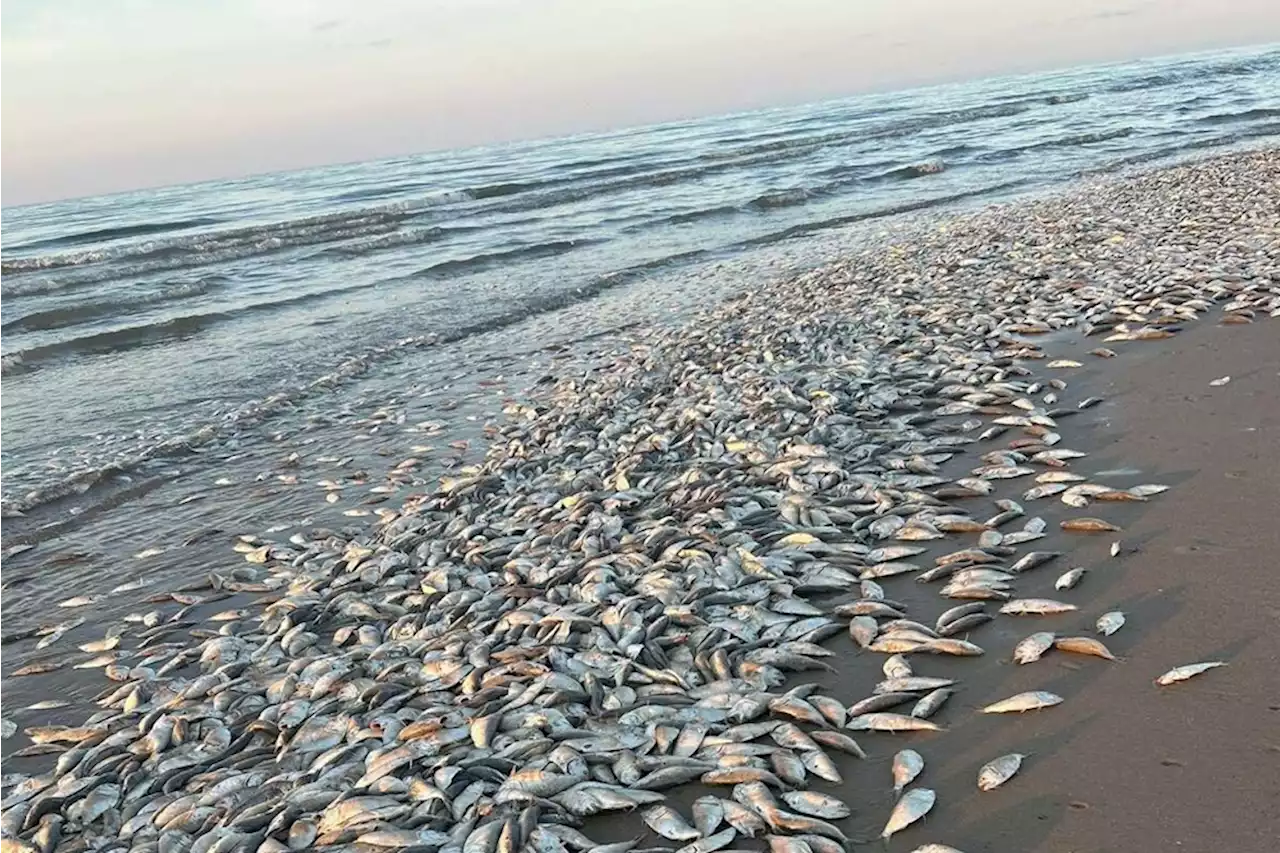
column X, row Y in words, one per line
column 1124, row 765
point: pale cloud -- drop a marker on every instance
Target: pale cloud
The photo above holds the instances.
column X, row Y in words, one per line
column 102, row 95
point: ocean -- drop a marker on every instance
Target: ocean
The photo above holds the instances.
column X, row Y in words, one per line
column 187, row 364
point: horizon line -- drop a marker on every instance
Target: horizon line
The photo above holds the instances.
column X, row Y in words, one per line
column 627, row 128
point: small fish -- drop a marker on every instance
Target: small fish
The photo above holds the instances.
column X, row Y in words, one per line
column 1219, row 382
column 911, row 684
column 1032, row 648
column 98, row 662
column 998, row 771
column 886, row 722
column 914, row 805
column 78, row 601
column 1083, row 646
column 953, row 646
column 1088, row 525
column 929, row 705
column 1059, row 477
column 863, row 630
column 907, row 764
column 148, row 552
column 1189, row 670
column 1033, row 559
column 1029, row 701
column 708, row 814
column 1069, row 578
column 816, row 805
column 1045, row 490
column 1059, row 363
column 1109, row 623
column 104, row 645
column 668, row 823
column 39, row 667
column 896, row 666
column 1115, row 549
column 840, row 741
column 48, row 705
column 936, row 848
column 1035, row 607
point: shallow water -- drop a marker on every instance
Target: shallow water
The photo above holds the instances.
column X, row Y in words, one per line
column 158, row 342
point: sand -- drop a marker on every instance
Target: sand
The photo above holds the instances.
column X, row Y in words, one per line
column 1124, row 765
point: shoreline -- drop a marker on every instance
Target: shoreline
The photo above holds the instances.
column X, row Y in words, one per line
column 803, row 329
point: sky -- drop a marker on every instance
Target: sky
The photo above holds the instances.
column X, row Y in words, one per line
column 100, row 96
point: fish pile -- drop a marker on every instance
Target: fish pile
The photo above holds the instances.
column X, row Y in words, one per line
column 631, row 593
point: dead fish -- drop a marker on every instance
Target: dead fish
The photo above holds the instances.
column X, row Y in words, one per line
column 1035, row 607
column 1189, row 670
column 879, row 702
column 914, row 805
column 929, row 705
column 816, row 805
column 668, row 823
column 79, row 601
column 711, row 843
column 1031, row 649
column 1118, row 495
column 911, row 683
column 104, row 645
column 1033, row 559
column 39, row 667
column 998, row 771
column 965, row 624
column 48, row 705
column 1029, row 701
column 840, row 741
column 863, row 630
column 1088, row 525
column 1069, row 578
column 958, row 612
column 896, row 666
column 1109, row 623
column 953, row 646
column 907, row 764
column 1042, row 491
column 708, row 814
column 1060, row 476
column 1083, row 646
column 886, row 722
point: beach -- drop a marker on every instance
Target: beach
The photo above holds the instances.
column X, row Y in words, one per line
column 680, row 533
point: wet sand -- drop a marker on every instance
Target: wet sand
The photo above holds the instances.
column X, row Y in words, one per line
column 1128, row 766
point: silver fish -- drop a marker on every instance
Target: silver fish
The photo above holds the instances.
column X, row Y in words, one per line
column 1189, row 670
column 907, row 764
column 999, row 770
column 913, row 805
